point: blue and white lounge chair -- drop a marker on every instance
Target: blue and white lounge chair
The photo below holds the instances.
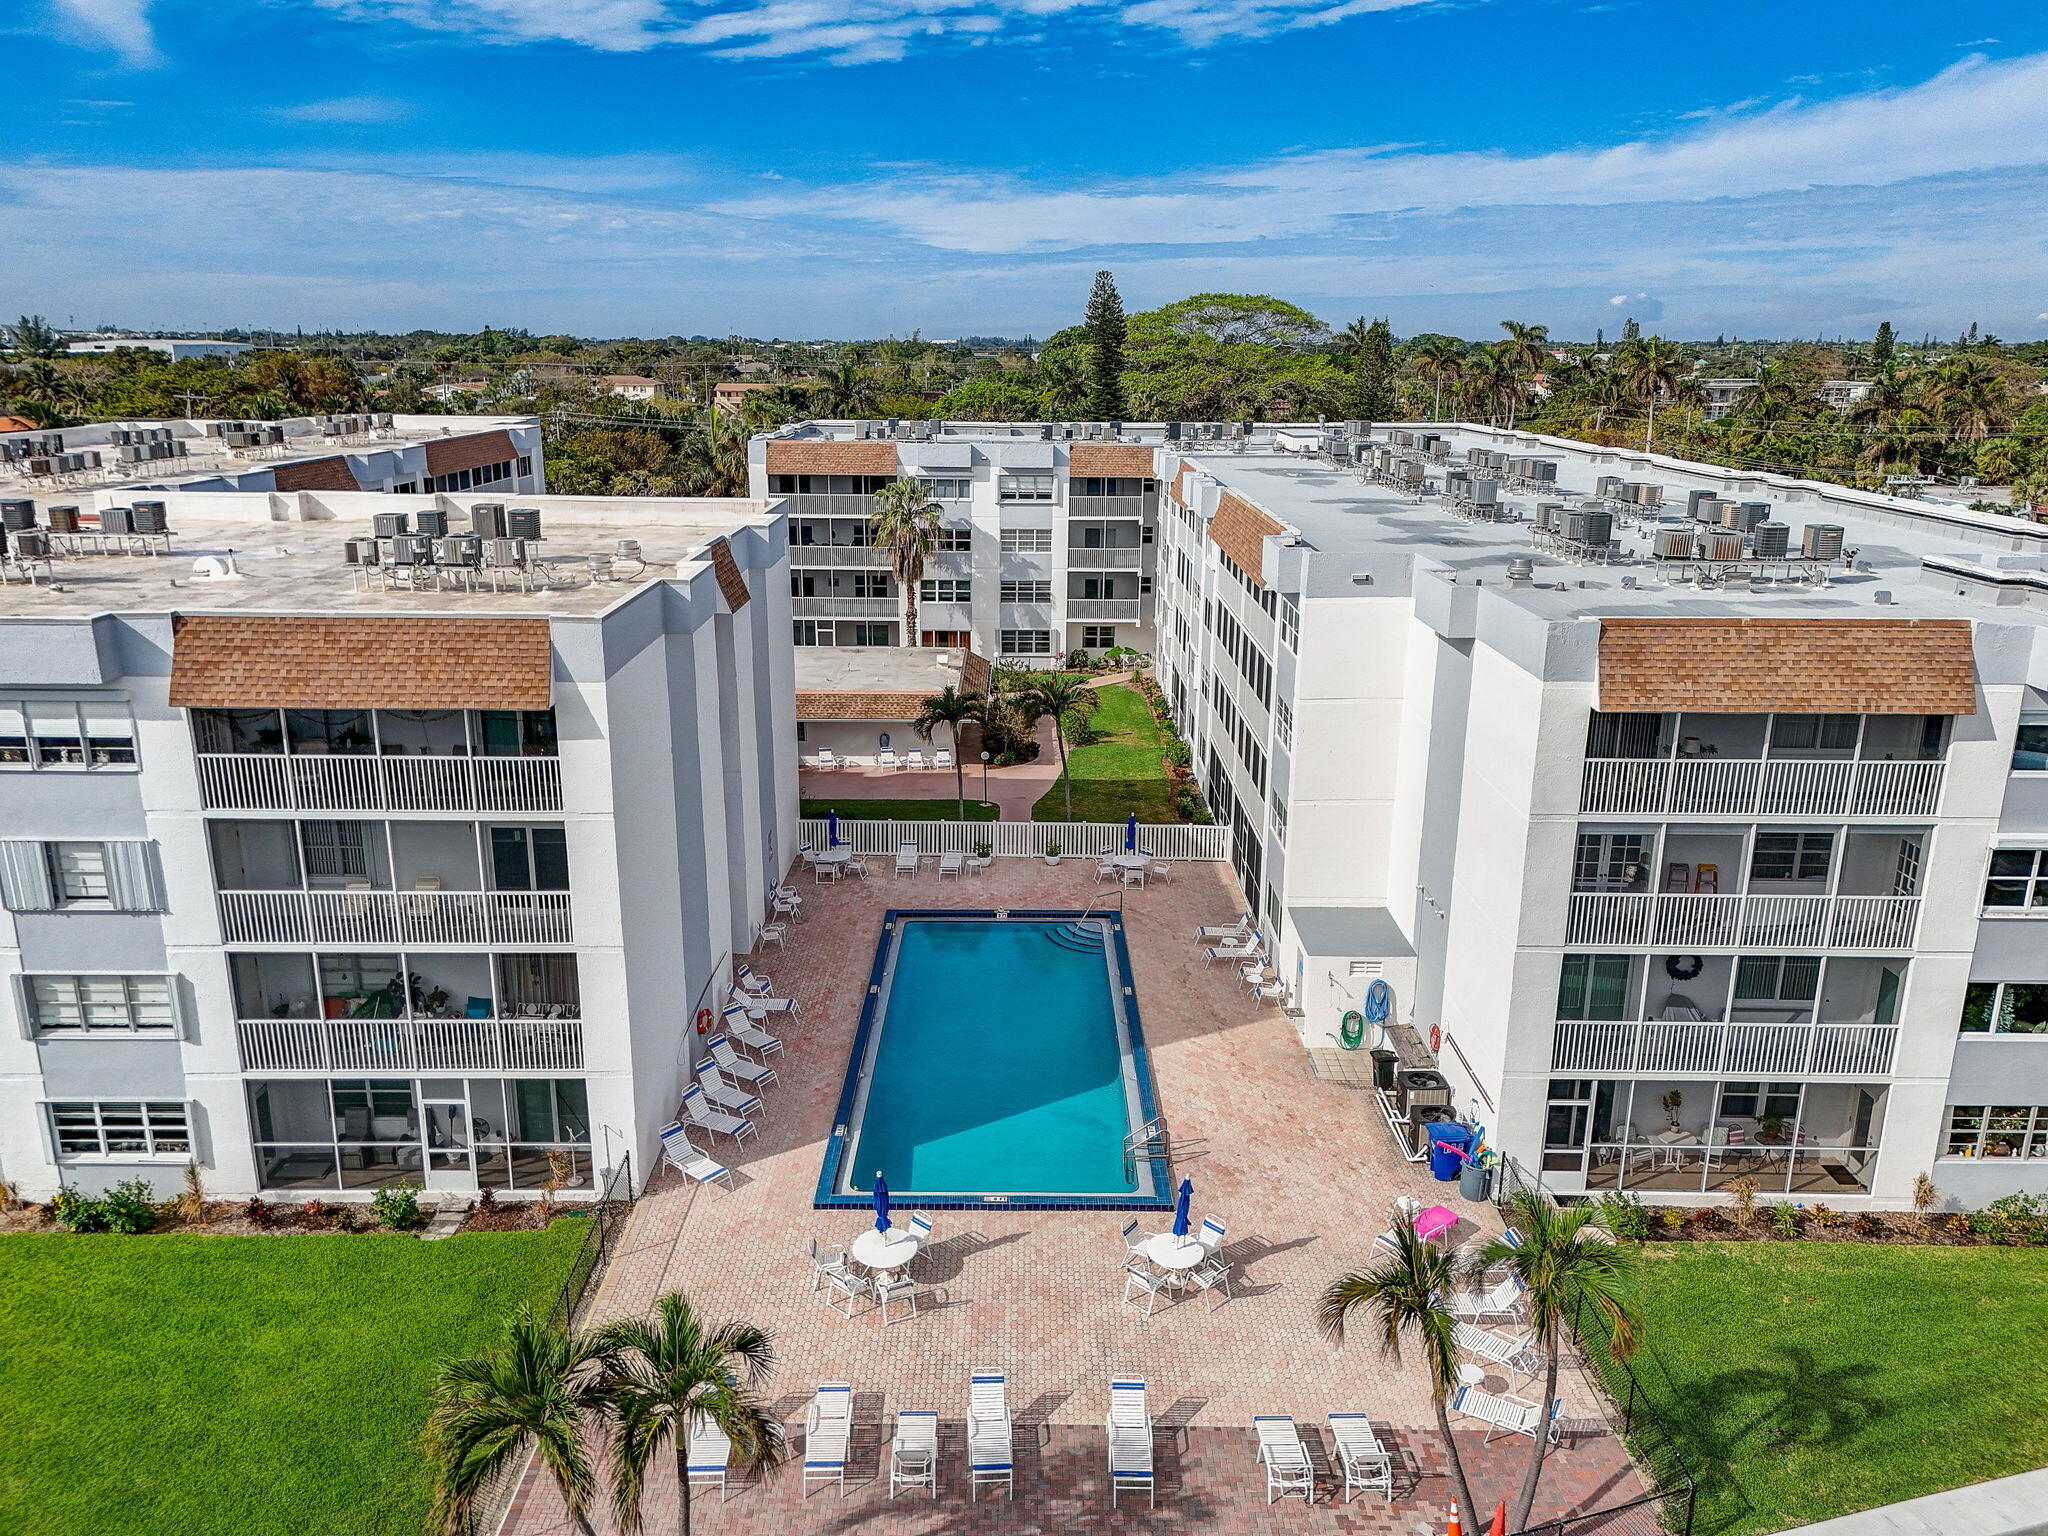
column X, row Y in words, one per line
column 745, row 1032
column 697, row 1110
column 990, row 1435
column 752, row 982
column 698, row 1167
column 828, row 1430
column 757, row 1006
column 734, row 1065
column 1129, row 1428
column 1363, row 1460
column 710, row 1453
column 727, row 1096
column 1288, row 1470
column 914, row 1453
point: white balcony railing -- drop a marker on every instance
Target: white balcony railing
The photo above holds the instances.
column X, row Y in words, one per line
column 848, row 607
column 1103, row 610
column 411, row 1045
column 1083, row 557
column 395, row 917
column 1735, row 786
column 1759, row 1050
column 259, row 781
column 1686, row 923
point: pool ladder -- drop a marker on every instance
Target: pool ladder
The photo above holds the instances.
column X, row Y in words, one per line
column 1148, row 1140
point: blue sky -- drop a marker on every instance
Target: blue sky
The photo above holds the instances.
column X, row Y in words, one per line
column 863, row 167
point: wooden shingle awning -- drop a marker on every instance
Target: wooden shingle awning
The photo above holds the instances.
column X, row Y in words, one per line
column 821, row 704
column 1240, row 530
column 785, row 456
column 732, row 582
column 1128, row 461
column 449, row 455
column 291, row 661
column 1788, row 666
column 329, row 474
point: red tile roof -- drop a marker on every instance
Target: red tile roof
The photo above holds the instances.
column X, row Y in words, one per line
column 1126, row 460
column 446, row 455
column 1764, row 666
column 330, row 474
column 1240, row 530
column 293, row 661
column 786, row 457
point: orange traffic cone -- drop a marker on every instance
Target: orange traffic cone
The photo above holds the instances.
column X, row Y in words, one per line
column 1454, row 1528
column 1500, row 1520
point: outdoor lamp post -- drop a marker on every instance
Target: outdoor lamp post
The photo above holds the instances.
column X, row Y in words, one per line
column 984, row 778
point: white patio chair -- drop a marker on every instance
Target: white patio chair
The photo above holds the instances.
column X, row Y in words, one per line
column 827, row 1259
column 843, row 1292
column 697, row 1110
column 752, row 982
column 734, row 1065
column 1285, row 1458
column 915, row 758
column 1514, row 1352
column 949, row 864
column 708, row 1457
column 828, row 1429
column 1131, row 877
column 1211, row 1277
column 1134, row 1240
column 1163, row 870
column 1105, row 870
column 1270, row 992
column 825, row 873
column 772, row 933
column 942, row 758
column 886, row 758
column 1211, row 1234
column 990, row 1434
column 1129, row 1430
column 698, row 1167
column 921, row 1224
column 1508, row 1414
column 750, row 1035
column 1500, row 1302
column 1365, row 1463
column 826, row 758
column 1150, row 1288
column 914, row 1453
column 724, row 1095
column 906, row 860
column 897, row 1288
column 857, row 865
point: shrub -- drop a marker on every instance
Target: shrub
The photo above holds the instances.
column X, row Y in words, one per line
column 1787, row 1219
column 257, row 1212
column 1708, row 1219
column 74, row 1212
column 191, row 1201
column 1865, row 1225
column 1624, row 1216
column 1742, row 1195
column 1672, row 1219
column 1955, row 1224
column 1824, row 1218
column 397, row 1206
column 129, row 1207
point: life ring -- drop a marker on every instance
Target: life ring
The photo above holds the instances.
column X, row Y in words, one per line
column 1351, row 1033
column 703, row 1020
column 1683, row 967
column 1436, row 1038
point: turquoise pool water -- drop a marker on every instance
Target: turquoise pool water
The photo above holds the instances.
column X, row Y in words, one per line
column 998, row 1066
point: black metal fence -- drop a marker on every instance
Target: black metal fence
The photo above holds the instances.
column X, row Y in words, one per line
column 1632, row 1412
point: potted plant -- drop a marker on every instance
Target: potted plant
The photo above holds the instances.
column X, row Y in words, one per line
column 1771, row 1127
column 1670, row 1103
column 1052, row 855
column 983, row 853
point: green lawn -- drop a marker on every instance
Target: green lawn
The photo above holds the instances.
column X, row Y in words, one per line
column 1808, row 1380
column 1118, row 771
column 240, row 1386
column 947, row 809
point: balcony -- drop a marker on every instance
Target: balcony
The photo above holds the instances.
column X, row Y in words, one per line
column 371, row 917
column 260, row 781
column 1752, row 787
column 379, row 1046
column 1687, row 923
column 1105, row 506
column 1102, row 610
column 1084, row 557
column 836, row 556
column 846, row 607
column 1736, row 1049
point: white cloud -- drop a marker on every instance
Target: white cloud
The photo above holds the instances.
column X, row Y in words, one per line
column 1619, row 299
column 345, row 109
column 122, row 25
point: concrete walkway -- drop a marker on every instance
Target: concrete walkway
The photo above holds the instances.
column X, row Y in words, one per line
column 2005, row 1506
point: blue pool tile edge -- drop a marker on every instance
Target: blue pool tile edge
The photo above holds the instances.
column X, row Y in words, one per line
column 827, row 1199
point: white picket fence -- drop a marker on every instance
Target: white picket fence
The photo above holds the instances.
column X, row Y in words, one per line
column 1178, row 841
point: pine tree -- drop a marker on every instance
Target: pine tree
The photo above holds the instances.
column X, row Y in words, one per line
column 1630, row 331
column 1372, row 374
column 1881, row 348
column 1105, row 328
column 1599, row 339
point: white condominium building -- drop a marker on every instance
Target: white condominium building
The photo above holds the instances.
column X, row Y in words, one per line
column 393, row 837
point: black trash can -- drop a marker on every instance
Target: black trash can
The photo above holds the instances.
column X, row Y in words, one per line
column 1383, row 1063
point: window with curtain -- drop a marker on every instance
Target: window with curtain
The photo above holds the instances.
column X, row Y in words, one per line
column 1593, row 987
column 1778, row 978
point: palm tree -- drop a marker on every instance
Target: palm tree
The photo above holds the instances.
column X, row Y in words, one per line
column 1890, row 393
column 1497, row 381
column 1563, row 1266
column 1441, row 360
column 670, row 1375
column 951, row 708
column 1971, row 398
column 1401, row 1295
column 1353, row 338
column 1528, row 348
column 1069, row 701
column 540, row 1390
column 1653, row 372
column 845, row 390
column 716, row 456
column 906, row 524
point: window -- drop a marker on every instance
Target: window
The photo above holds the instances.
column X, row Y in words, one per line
column 808, row 632
column 1100, row 587
column 1997, row 1130
column 870, row 583
column 122, row 1003
column 1593, row 987
column 1753, row 1101
column 120, row 1128
column 525, row 464
column 869, row 634
column 2019, row 878
column 1610, row 861
column 1093, row 485
column 529, row 859
column 1027, row 541
column 947, row 488
column 119, row 876
column 66, row 733
column 941, row 590
column 1811, row 733
column 2005, row 1008
column 1791, row 855
column 1778, row 978
column 1027, row 591
column 1144, row 586
column 78, row 873
column 1033, row 486
column 516, row 733
column 1279, row 814
column 2030, row 748
column 1026, row 642
column 953, row 540
column 1290, row 621
column 338, row 849
column 1283, row 723
column 945, row 639
column 1098, row 637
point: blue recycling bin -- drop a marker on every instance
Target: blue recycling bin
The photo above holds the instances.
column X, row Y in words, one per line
column 1446, row 1165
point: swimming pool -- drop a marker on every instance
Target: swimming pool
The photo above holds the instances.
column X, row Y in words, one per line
column 999, row 1061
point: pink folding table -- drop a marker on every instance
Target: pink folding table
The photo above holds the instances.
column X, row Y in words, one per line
column 1434, row 1221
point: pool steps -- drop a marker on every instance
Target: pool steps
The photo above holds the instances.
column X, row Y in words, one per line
column 1082, row 939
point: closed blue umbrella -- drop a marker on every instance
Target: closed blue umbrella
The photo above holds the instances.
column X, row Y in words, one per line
column 1131, row 834
column 881, row 1202
column 1180, row 1207
column 831, row 829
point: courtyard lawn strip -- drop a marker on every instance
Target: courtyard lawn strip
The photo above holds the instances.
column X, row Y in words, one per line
column 947, row 809
column 241, row 1386
column 1119, row 769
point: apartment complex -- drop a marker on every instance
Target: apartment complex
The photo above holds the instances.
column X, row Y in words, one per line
column 106, row 462
column 368, row 838
column 1047, row 546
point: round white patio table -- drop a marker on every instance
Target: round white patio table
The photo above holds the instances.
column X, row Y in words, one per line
column 886, row 1252
column 1130, row 860
column 837, row 855
column 1175, row 1255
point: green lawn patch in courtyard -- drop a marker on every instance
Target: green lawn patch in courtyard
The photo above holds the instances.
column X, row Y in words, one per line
column 1118, row 770
column 241, row 1386
column 947, row 809
column 1805, row 1380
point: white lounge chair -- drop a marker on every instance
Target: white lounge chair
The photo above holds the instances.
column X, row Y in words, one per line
column 1365, row 1463
column 1249, row 951
column 698, row 1167
column 708, row 1457
column 915, row 758
column 828, row 1429
column 942, row 758
column 756, row 1006
column 906, row 860
column 751, row 981
column 886, row 758
column 1233, row 933
column 826, row 758
column 734, row 1065
column 697, row 1110
column 730, row 1097
column 1508, row 1414
column 1514, row 1352
column 990, row 1434
column 1129, row 1430
column 1500, row 1302
column 1150, row 1288
column 1285, row 1458
column 745, row 1032
column 949, row 864
column 914, row 1453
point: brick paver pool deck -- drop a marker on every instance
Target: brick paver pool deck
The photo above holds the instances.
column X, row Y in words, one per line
column 1304, row 1172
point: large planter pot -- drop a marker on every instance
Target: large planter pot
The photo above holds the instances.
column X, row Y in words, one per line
column 1052, row 861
